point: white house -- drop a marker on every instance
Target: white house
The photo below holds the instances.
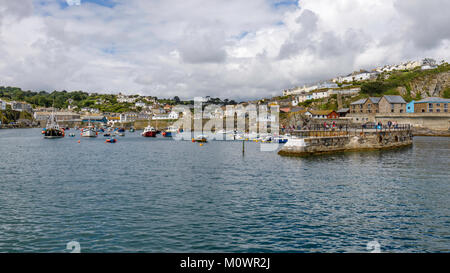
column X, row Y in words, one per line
column 20, row 106
column 2, row 105
column 350, row 91
column 174, row 115
column 125, row 99
column 319, row 95
column 171, row 115
column 140, row 104
column 357, row 77
column 128, row 117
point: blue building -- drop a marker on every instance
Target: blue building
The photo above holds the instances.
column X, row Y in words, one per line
column 410, row 107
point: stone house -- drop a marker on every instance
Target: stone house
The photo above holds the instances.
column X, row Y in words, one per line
column 432, row 105
column 392, row 104
column 365, row 106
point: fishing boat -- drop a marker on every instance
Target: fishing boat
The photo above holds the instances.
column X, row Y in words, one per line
column 149, row 131
column 89, row 131
column 52, row 129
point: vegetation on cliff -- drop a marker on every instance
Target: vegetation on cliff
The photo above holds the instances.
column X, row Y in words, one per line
column 390, row 83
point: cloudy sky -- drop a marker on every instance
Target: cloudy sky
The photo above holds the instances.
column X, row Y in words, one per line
column 229, row 49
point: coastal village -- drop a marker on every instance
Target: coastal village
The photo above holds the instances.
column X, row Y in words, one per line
column 352, row 98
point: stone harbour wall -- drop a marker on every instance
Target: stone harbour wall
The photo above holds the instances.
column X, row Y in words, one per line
column 353, row 142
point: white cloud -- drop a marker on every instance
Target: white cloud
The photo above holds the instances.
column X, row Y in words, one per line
column 234, row 49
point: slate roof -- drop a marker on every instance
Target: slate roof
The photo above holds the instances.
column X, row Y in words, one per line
column 434, row 100
column 395, row 99
column 361, row 101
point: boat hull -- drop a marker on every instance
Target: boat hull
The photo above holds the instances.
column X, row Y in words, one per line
column 149, row 134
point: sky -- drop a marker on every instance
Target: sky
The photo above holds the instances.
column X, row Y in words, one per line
column 229, row 49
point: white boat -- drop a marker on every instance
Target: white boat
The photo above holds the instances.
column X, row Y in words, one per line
column 88, row 132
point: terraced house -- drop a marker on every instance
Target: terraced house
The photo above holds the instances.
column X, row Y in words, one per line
column 432, row 105
column 365, row 106
column 392, row 104
column 375, row 105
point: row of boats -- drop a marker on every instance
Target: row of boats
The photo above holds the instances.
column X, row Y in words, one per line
column 53, row 130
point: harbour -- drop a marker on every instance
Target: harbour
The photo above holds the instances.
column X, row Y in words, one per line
column 161, row 195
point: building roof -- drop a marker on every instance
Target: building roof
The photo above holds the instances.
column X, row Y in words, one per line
column 361, row 101
column 394, row 99
column 434, row 100
column 343, row 110
column 93, row 117
column 321, row 112
column 375, row 100
column 297, row 109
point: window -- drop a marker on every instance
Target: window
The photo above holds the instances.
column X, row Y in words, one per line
column 438, row 110
column 438, row 104
column 423, row 110
column 445, row 105
column 430, row 110
column 430, row 105
column 401, row 110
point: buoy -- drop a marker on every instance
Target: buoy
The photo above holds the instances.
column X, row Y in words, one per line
column 193, row 140
column 201, row 144
column 79, row 141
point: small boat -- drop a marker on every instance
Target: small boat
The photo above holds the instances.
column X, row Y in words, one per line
column 132, row 130
column 111, row 140
column 121, row 134
column 149, row 131
column 72, row 134
column 200, row 138
column 121, row 130
column 106, row 134
column 170, row 132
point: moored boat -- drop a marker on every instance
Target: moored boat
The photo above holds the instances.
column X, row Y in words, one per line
column 200, row 138
column 149, row 131
column 170, row 132
column 52, row 129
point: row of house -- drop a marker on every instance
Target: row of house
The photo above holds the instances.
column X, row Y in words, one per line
column 324, row 94
column 374, row 105
column 309, row 88
column 16, row 106
column 396, row 104
column 356, row 77
column 428, row 105
column 425, row 64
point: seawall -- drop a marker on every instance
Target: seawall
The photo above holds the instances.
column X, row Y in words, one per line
column 368, row 140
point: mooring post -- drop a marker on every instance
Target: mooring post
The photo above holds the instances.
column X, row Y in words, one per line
column 243, row 147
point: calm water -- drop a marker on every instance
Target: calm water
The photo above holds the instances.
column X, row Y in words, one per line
column 157, row 195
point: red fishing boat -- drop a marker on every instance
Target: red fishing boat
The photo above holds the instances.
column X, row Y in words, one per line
column 149, row 132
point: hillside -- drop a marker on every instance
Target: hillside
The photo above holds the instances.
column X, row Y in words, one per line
column 413, row 84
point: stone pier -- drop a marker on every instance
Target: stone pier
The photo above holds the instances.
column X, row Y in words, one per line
column 351, row 141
